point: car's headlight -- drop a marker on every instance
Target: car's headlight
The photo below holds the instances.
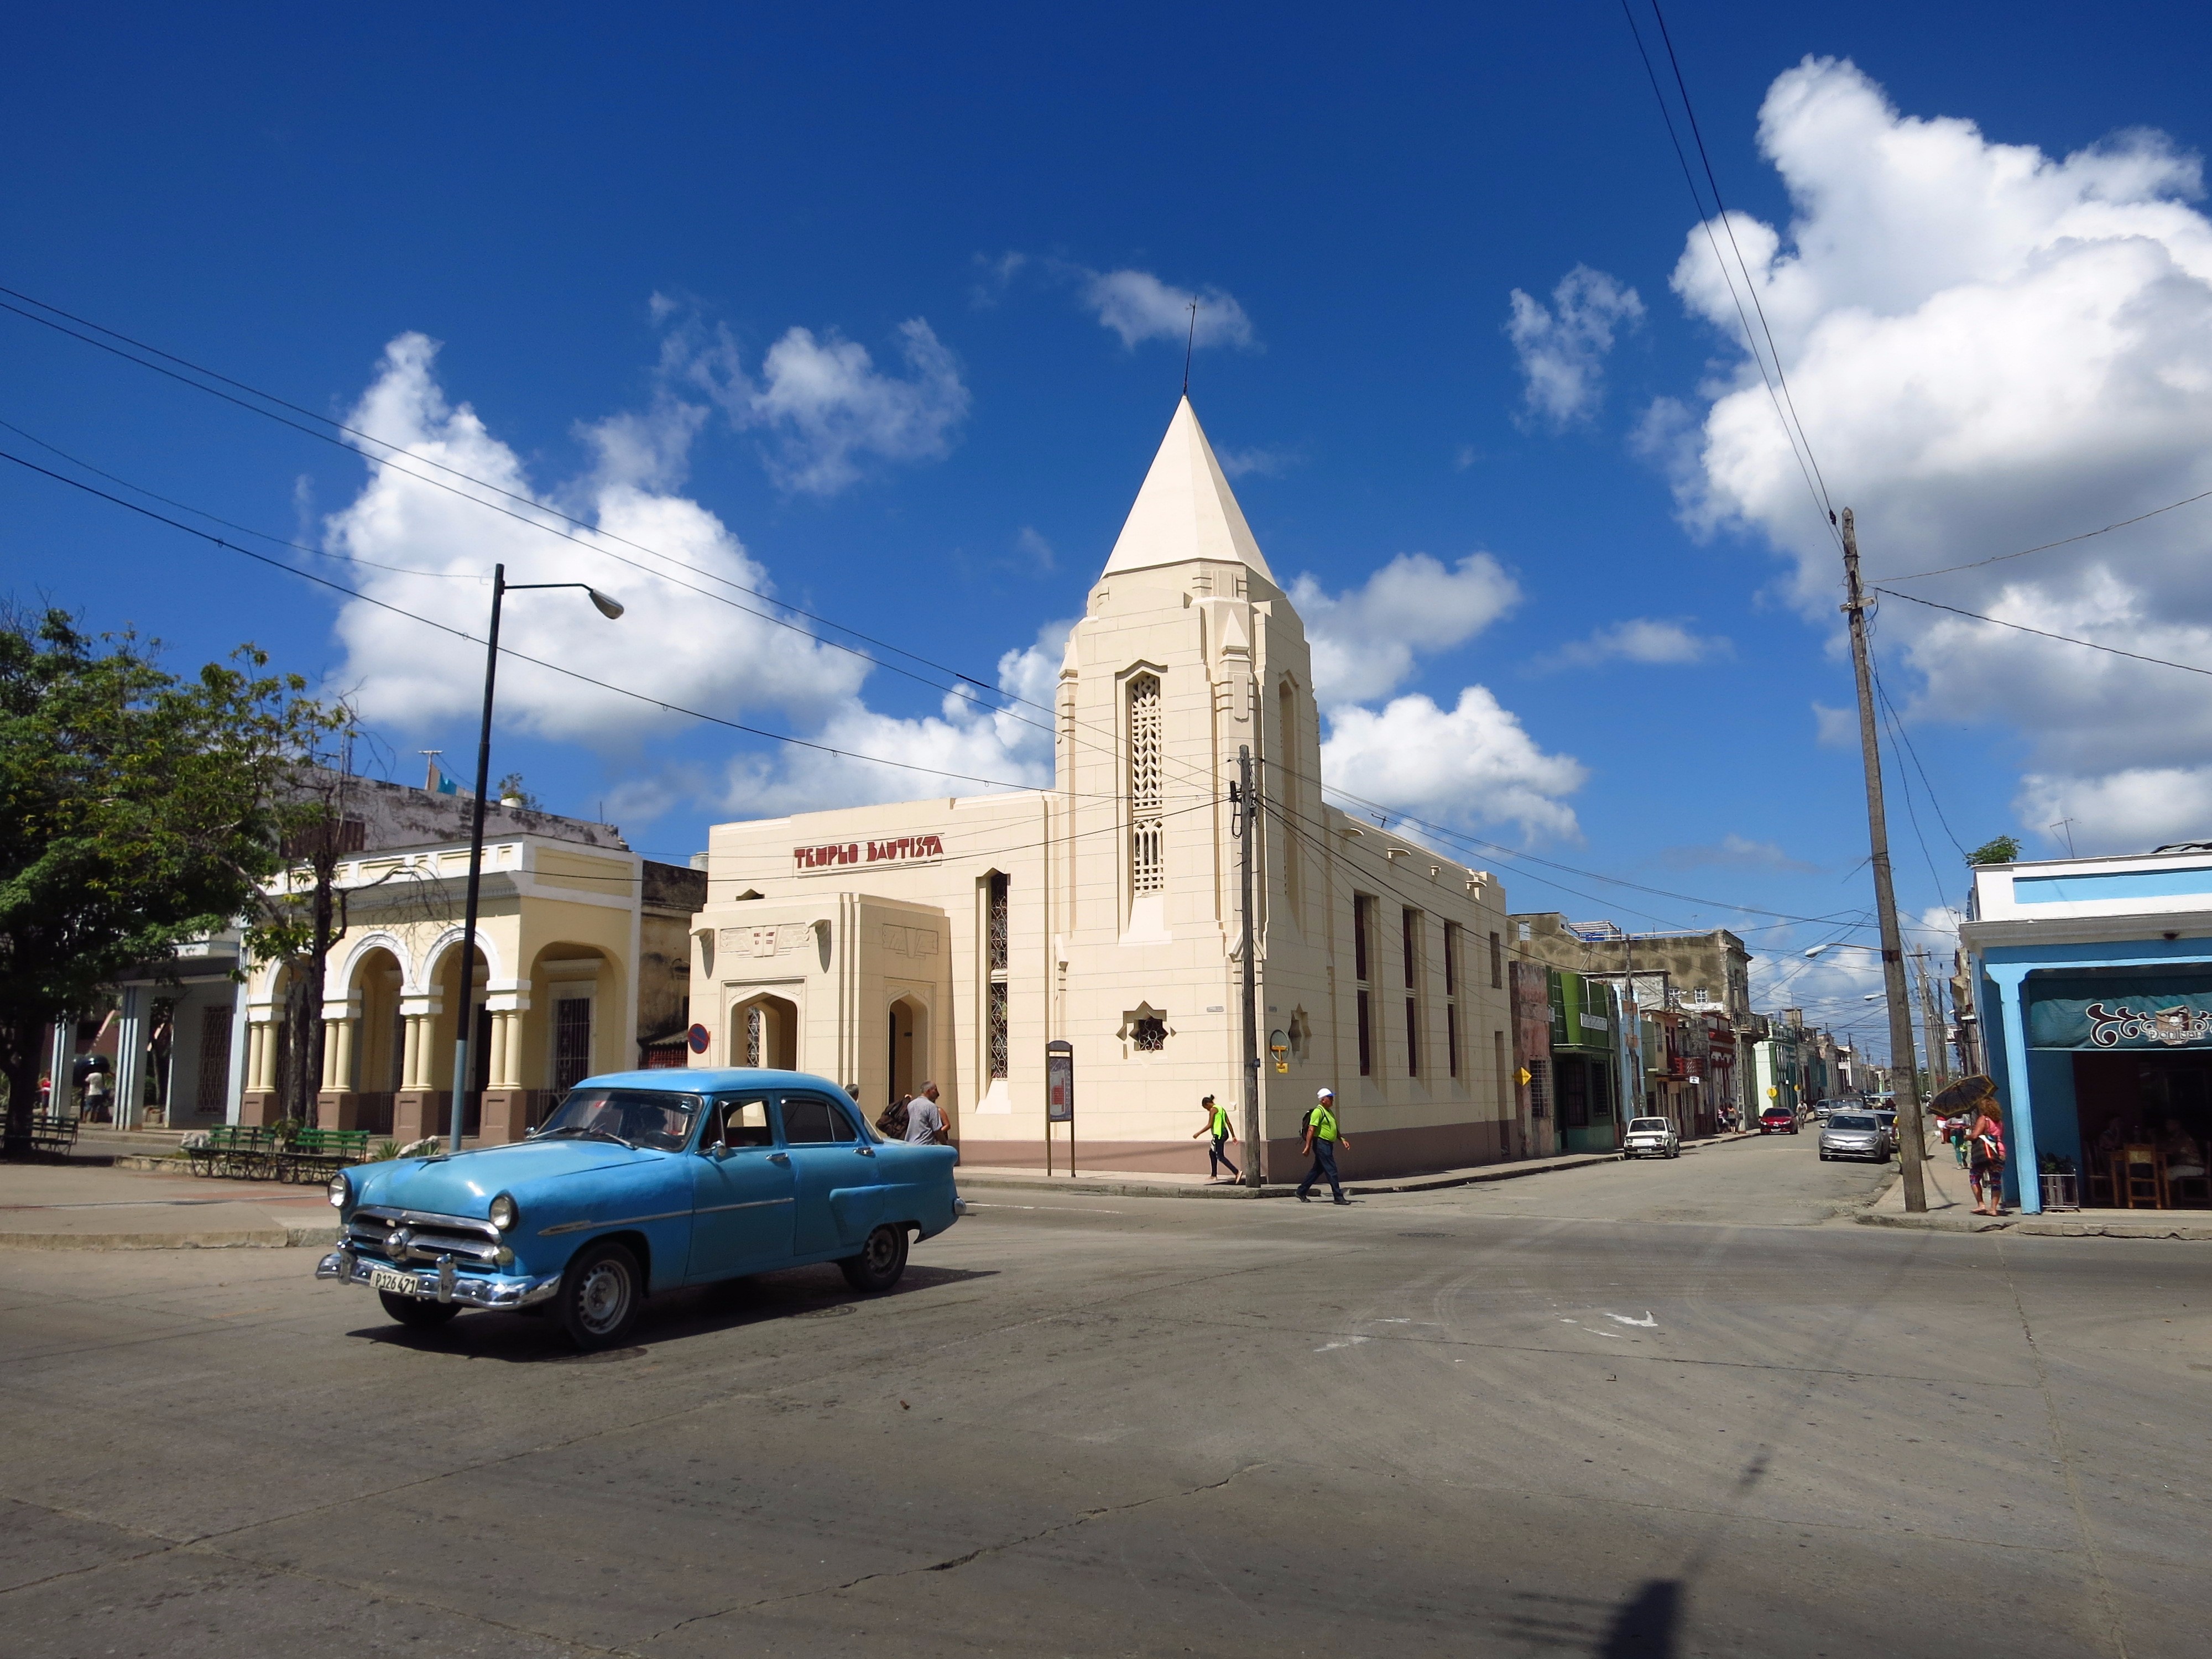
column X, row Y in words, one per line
column 504, row 1215
column 339, row 1192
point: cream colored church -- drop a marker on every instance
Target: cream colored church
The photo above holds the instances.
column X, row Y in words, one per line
column 950, row 939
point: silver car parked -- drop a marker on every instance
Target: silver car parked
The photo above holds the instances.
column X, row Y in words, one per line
column 1855, row 1134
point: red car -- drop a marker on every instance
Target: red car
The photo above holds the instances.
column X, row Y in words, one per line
column 1777, row 1121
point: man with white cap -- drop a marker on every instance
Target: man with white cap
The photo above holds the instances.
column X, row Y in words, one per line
column 1322, row 1138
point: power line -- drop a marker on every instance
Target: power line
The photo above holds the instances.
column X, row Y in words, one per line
column 2044, row 547
column 539, row 662
column 1793, row 435
column 2063, row 639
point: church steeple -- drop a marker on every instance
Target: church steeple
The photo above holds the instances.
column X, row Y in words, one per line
column 1186, row 511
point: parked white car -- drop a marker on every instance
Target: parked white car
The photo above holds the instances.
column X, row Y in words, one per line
column 1652, row 1137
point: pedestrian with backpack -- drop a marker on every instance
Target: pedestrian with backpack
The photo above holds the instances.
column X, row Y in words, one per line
column 1216, row 1125
column 891, row 1126
column 1322, row 1138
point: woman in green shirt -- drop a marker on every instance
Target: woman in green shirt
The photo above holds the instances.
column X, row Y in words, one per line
column 1216, row 1125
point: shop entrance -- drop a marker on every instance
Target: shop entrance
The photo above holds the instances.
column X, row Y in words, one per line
column 2146, row 1119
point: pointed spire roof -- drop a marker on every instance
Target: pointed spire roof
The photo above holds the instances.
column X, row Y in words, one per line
column 1186, row 510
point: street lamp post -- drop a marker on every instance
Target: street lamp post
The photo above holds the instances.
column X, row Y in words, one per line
column 500, row 588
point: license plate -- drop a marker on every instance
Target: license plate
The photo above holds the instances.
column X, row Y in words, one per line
column 390, row 1278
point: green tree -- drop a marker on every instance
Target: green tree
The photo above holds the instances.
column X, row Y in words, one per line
column 136, row 809
column 2004, row 849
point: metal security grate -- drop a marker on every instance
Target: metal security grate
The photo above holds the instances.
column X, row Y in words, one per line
column 997, row 1034
column 572, row 1042
column 1147, row 827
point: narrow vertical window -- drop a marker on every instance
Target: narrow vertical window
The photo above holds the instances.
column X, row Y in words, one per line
column 1496, row 964
column 1147, row 826
column 994, row 1003
column 1409, row 927
column 1287, row 753
column 1363, row 920
column 1412, row 1037
column 1453, row 933
column 1409, row 922
column 572, row 1042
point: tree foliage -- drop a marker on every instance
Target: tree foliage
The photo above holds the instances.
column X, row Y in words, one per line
column 137, row 810
column 2004, row 849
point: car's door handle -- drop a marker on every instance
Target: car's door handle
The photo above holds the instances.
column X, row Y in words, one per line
column 865, row 1152
column 779, row 1157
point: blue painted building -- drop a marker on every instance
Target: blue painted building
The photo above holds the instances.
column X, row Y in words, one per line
column 2094, row 979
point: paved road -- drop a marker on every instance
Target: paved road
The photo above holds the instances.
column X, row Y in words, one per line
column 1591, row 1415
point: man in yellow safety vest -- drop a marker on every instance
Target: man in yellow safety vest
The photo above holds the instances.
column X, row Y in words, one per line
column 1216, row 1125
column 1322, row 1138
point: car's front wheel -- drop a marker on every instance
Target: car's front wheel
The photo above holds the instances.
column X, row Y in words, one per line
column 599, row 1297
column 881, row 1261
column 415, row 1313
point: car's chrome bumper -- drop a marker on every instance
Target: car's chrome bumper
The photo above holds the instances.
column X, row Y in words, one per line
column 445, row 1282
column 959, row 1206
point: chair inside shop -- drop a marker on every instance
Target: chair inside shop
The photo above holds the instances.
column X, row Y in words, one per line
column 2139, row 1179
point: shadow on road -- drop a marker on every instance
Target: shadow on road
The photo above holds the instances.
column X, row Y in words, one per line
column 531, row 1338
column 1648, row 1624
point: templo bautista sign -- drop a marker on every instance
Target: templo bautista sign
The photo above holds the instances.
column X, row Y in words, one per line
column 839, row 855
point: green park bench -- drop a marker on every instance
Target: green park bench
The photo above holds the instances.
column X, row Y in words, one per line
column 317, row 1154
column 52, row 1133
column 234, row 1149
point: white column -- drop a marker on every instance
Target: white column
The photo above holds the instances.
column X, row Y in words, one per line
column 343, row 1072
column 331, row 1030
column 411, row 1063
column 130, row 1056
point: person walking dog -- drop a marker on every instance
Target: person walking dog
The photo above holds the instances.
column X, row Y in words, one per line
column 1322, row 1138
column 1216, row 1125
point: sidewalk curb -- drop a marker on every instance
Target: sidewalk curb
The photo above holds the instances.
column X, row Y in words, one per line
column 2040, row 1226
column 282, row 1235
column 1517, row 1171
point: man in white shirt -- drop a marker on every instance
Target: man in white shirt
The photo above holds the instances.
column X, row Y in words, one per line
column 924, row 1119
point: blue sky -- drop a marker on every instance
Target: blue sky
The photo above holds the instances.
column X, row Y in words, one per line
column 612, row 226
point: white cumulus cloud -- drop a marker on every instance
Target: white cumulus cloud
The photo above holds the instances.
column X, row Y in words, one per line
column 1138, row 305
column 967, row 748
column 1991, row 347
column 410, row 677
column 1473, row 764
column 1656, row 640
column 1364, row 640
column 830, row 408
column 1563, row 347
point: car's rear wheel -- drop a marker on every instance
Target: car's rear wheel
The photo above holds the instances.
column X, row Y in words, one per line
column 415, row 1313
column 599, row 1297
column 881, row 1261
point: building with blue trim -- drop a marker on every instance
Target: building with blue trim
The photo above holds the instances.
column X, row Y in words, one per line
column 2094, row 981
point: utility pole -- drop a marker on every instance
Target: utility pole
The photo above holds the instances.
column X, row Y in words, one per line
column 1912, row 1144
column 1243, row 798
column 1931, row 1026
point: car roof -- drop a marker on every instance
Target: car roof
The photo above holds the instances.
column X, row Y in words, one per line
column 690, row 1079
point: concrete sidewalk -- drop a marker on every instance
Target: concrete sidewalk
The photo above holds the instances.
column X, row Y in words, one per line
column 1140, row 1183
column 74, row 1206
column 1951, row 1210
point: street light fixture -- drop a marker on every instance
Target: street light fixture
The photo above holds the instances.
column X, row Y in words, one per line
column 1839, row 944
column 500, row 588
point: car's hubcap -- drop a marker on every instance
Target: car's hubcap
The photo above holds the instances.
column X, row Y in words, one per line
column 602, row 1298
column 881, row 1249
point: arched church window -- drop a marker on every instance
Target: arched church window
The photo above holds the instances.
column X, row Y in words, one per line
column 1147, row 825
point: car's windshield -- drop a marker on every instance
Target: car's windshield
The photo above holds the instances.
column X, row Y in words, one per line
column 1657, row 1125
column 635, row 1117
column 1851, row 1121
column 1775, row 1111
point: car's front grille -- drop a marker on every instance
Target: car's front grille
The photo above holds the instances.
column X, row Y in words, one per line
column 406, row 1237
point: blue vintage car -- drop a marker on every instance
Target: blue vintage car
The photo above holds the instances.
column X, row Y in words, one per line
column 640, row 1181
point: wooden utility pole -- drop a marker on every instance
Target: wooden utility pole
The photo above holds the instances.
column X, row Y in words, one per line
column 1931, row 1027
column 1912, row 1144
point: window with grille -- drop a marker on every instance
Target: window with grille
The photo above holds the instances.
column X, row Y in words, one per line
column 995, row 957
column 995, row 926
column 1366, row 1040
column 1412, row 1037
column 1452, row 934
column 1149, row 1034
column 1363, row 921
column 1147, row 825
column 755, row 1034
column 572, row 1042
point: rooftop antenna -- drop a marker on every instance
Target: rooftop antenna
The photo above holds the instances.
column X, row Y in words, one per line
column 2065, row 827
column 1188, row 345
column 430, row 755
